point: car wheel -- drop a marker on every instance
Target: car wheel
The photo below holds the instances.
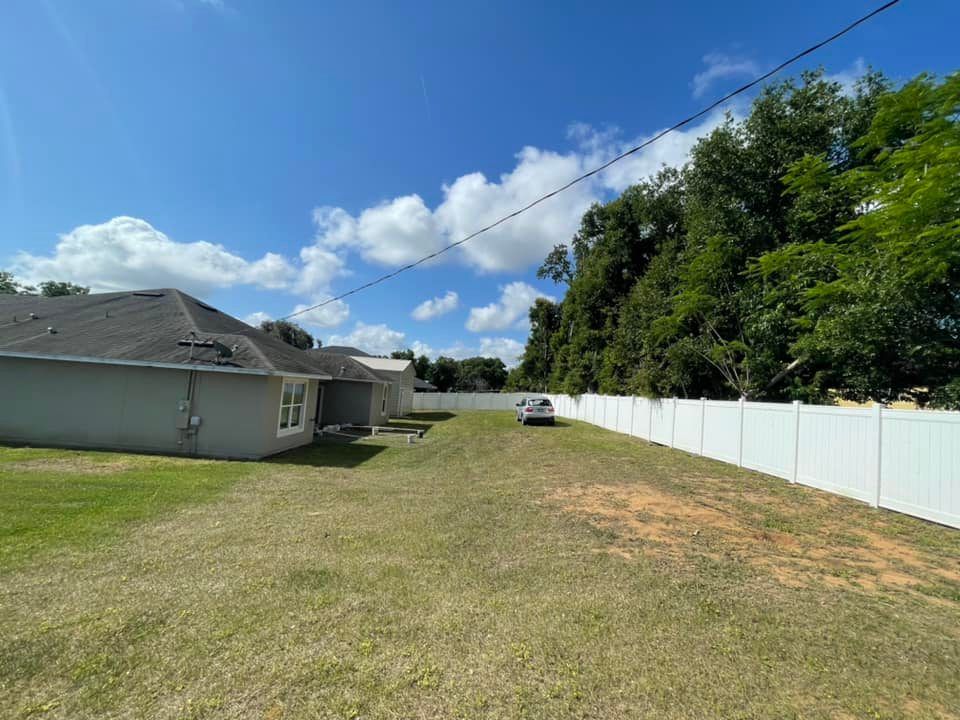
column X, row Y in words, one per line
column 552, row 421
column 523, row 421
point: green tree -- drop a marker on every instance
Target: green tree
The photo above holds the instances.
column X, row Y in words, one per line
column 481, row 374
column 422, row 367
column 289, row 332
column 879, row 294
column 444, row 373
column 402, row 354
column 52, row 288
column 536, row 365
column 10, row 286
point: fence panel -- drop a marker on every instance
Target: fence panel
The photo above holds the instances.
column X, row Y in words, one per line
column 903, row 460
column 721, row 430
column 661, row 421
column 624, row 415
column 920, row 464
column 687, row 425
column 837, row 450
column 641, row 418
column 769, row 434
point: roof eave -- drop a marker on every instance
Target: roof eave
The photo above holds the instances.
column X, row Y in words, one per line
column 164, row 365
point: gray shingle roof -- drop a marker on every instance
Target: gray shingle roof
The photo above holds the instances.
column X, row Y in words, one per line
column 341, row 366
column 142, row 326
column 344, row 350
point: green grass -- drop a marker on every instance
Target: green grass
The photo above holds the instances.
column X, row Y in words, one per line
column 61, row 498
column 488, row 571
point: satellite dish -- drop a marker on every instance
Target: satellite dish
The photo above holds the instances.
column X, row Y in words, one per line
column 222, row 350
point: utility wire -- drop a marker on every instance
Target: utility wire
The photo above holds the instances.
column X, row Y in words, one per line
column 601, row 168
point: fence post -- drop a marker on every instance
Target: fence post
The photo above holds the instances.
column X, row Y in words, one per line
column 740, row 407
column 878, row 456
column 650, row 421
column 633, row 408
column 703, row 416
column 673, row 422
column 796, row 440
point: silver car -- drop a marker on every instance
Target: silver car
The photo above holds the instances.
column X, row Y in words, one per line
column 535, row 410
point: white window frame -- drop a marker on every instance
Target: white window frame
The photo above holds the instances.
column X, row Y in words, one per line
column 383, row 405
column 282, row 431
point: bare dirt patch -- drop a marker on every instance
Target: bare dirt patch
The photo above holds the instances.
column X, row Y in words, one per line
column 645, row 519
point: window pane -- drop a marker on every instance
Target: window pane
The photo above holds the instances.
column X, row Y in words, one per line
column 295, row 415
column 287, row 394
column 284, row 418
column 298, row 393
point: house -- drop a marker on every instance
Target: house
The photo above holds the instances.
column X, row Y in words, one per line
column 160, row 371
column 355, row 396
column 423, row 385
column 399, row 373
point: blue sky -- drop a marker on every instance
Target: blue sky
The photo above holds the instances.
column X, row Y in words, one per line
column 265, row 155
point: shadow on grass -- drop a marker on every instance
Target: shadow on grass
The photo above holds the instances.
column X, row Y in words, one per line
column 556, row 423
column 330, row 452
column 436, row 416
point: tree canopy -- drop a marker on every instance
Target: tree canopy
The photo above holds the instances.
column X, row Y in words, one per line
column 808, row 251
column 290, row 333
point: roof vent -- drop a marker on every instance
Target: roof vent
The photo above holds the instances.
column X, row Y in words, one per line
column 343, row 369
column 51, row 331
column 206, row 307
column 33, row 316
column 148, row 294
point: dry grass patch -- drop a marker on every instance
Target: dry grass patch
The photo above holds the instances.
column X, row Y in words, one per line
column 650, row 520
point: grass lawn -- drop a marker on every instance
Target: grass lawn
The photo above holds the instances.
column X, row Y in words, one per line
column 489, row 571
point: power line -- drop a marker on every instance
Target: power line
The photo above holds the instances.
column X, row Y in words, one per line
column 601, row 168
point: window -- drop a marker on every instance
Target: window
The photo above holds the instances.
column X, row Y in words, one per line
column 291, row 407
column 383, row 405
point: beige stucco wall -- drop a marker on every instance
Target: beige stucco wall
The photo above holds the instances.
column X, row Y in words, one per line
column 71, row 404
column 353, row 402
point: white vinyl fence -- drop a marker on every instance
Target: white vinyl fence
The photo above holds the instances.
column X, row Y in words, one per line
column 904, row 460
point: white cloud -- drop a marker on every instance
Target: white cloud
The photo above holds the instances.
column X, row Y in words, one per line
column 404, row 229
column 435, row 307
column 420, row 348
column 719, row 67
column 391, row 233
column 848, row 76
column 254, row 319
column 472, row 202
column 128, row 253
column 374, row 339
column 510, row 311
column 508, row 350
column 327, row 316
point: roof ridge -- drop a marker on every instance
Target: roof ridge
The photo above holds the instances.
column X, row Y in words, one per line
column 183, row 308
column 256, row 349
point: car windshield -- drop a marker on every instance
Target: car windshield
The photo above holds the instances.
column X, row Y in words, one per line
column 539, row 403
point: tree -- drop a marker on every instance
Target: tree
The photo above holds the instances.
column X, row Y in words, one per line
column 52, row 288
column 288, row 332
column 481, row 374
column 422, row 367
column 402, row 354
column 879, row 294
column 10, row 286
column 443, row 373
column 536, row 365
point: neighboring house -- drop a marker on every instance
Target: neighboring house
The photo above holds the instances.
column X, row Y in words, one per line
column 399, row 373
column 156, row 371
column 355, row 396
column 420, row 385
